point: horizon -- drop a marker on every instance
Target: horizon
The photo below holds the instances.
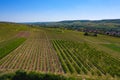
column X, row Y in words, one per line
column 59, row 21
column 58, row 10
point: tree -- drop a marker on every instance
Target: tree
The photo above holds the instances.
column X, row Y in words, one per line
column 86, row 34
column 95, row 34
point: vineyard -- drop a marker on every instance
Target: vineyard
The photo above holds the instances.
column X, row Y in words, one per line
column 35, row 54
column 81, row 59
column 66, row 52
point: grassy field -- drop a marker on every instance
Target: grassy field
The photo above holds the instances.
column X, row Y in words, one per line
column 10, row 46
column 9, row 30
column 113, row 47
column 66, row 52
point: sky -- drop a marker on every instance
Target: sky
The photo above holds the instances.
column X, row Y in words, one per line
column 58, row 10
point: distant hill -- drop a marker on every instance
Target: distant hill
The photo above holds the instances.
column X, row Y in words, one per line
column 94, row 21
column 109, row 24
column 116, row 21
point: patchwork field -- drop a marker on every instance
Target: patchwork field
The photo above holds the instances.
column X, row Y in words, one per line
column 66, row 52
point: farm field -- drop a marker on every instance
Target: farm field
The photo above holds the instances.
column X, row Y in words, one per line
column 81, row 59
column 95, row 42
column 11, row 36
column 9, row 46
column 66, row 52
column 9, row 30
column 35, row 54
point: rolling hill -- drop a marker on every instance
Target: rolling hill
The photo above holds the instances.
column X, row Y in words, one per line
column 57, row 53
column 107, row 27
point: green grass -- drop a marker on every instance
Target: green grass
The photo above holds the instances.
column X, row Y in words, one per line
column 113, row 47
column 9, row 46
column 8, row 30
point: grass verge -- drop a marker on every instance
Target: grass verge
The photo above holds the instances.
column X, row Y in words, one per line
column 113, row 47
